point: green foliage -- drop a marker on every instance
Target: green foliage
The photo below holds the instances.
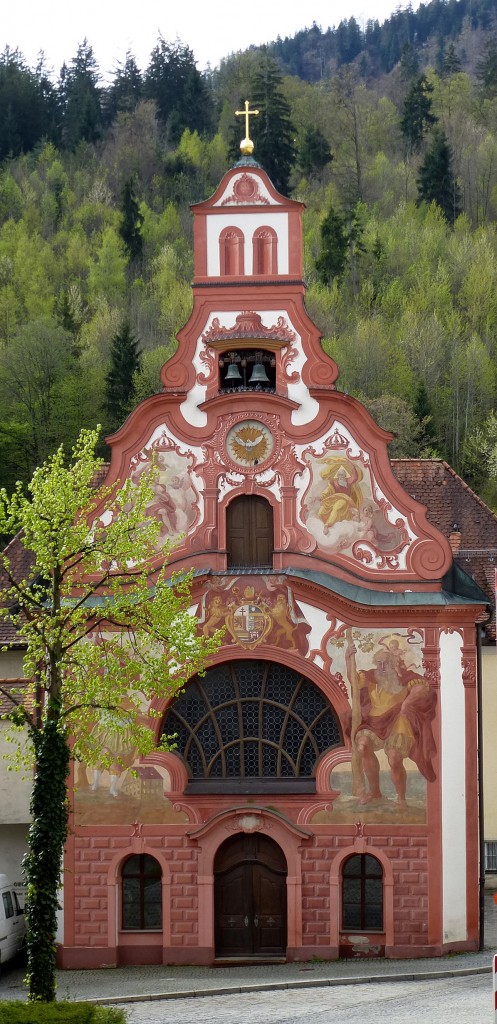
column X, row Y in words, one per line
column 81, row 98
column 131, row 224
column 332, row 258
column 314, row 151
column 436, row 179
column 178, row 89
column 119, row 383
column 272, row 130
column 13, row 1012
column 96, row 645
column 417, row 116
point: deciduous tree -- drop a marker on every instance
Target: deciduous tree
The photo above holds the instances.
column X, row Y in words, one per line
column 103, row 636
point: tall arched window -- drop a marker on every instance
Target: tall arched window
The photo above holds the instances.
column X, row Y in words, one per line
column 141, row 879
column 265, row 251
column 231, row 254
column 362, row 893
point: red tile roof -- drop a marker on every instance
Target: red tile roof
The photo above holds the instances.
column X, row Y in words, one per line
column 468, row 523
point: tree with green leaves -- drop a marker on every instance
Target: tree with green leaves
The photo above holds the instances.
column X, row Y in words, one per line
column 125, row 357
column 417, row 116
column 436, row 180
column 272, row 131
column 130, row 228
column 103, row 637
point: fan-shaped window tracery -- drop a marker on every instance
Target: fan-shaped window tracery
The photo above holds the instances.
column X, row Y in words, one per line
column 251, row 726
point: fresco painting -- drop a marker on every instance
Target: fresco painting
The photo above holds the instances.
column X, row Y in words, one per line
column 340, row 509
column 254, row 610
column 175, row 501
column 390, row 725
column 126, row 790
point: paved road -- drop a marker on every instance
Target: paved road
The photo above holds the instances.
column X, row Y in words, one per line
column 453, row 1001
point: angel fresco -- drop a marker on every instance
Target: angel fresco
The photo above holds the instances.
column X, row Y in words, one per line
column 174, row 503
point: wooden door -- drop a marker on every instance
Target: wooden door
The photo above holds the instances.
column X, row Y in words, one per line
column 249, row 532
column 250, row 898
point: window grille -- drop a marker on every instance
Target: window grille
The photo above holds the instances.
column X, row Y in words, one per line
column 491, row 855
column 252, row 721
column 141, row 893
column 362, row 893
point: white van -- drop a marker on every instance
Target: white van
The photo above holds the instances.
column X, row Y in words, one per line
column 12, row 921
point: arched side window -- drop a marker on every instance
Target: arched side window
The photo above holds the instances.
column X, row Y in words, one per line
column 250, row 532
column 252, row 726
column 231, row 252
column 141, row 878
column 362, row 893
column 265, row 251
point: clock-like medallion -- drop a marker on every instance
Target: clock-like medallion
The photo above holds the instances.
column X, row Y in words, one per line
column 249, row 443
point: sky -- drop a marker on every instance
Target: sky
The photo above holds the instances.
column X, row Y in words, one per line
column 212, row 29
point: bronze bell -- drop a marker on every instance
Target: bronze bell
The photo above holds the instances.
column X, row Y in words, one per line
column 259, row 375
column 233, row 375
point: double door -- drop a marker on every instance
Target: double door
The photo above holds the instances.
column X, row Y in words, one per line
column 250, row 898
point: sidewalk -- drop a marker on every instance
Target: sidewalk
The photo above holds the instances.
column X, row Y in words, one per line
column 129, row 984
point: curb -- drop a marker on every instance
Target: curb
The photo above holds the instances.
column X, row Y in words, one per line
column 275, row 986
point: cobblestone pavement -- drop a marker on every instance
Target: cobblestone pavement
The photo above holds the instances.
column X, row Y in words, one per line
column 468, row 1001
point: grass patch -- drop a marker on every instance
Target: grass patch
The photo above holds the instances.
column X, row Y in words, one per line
column 59, row 1013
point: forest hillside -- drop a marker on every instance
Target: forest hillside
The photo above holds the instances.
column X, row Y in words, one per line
column 391, row 142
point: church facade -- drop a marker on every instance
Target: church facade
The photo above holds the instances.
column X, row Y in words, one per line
column 321, row 797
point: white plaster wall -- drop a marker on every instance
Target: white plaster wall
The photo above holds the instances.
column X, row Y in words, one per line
column 15, row 786
column 247, row 223
column 11, row 664
column 453, row 783
column 228, row 191
column 489, row 713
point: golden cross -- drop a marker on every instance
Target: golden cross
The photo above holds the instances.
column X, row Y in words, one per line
column 246, row 144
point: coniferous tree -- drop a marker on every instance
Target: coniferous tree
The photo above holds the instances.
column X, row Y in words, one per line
column 81, row 98
column 131, row 223
column 314, row 152
column 436, row 180
column 417, row 116
column 451, row 64
column 126, row 89
column 119, row 382
column 28, row 106
column 486, row 69
column 177, row 87
column 272, row 131
column 332, row 258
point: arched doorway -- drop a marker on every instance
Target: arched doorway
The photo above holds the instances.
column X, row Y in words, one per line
column 250, row 901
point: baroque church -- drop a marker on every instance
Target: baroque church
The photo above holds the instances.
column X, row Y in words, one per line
column 321, row 798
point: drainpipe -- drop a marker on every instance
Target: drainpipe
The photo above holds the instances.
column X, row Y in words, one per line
column 481, row 819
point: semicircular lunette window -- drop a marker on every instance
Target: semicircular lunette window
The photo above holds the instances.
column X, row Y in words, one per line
column 252, row 726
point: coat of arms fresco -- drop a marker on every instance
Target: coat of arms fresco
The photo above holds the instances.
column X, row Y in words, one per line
column 254, row 610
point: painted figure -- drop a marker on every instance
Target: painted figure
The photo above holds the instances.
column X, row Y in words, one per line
column 392, row 709
column 280, row 614
column 342, row 497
